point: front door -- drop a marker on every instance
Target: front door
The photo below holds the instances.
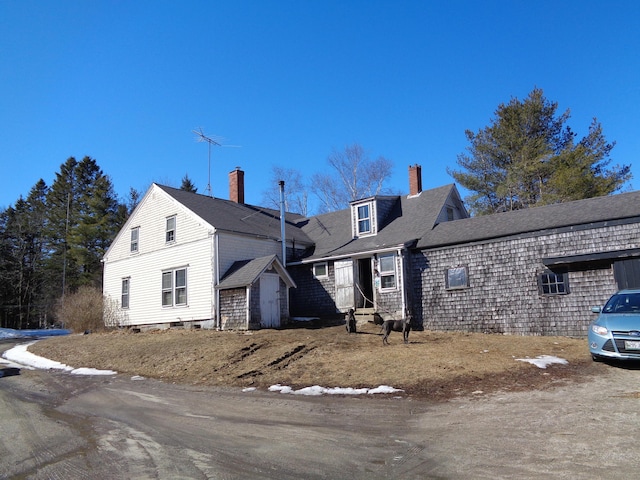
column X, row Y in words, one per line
column 344, row 284
column 270, row 300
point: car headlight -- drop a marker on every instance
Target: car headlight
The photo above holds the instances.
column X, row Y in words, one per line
column 599, row 329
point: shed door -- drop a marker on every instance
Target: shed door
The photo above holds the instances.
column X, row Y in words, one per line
column 627, row 273
column 344, row 284
column 270, row 300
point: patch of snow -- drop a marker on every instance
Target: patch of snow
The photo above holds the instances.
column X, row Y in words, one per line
column 542, row 361
column 24, row 358
column 318, row 390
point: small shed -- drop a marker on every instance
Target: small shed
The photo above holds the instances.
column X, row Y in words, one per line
column 254, row 294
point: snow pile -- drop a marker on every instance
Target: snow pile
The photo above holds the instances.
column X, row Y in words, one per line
column 20, row 355
column 318, row 390
column 542, row 361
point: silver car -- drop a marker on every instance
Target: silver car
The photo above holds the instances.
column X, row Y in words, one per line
column 616, row 332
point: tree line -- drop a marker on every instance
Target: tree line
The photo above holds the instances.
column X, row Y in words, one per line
column 52, row 241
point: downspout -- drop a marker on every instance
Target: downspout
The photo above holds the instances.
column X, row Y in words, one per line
column 282, row 225
column 401, row 253
column 216, row 279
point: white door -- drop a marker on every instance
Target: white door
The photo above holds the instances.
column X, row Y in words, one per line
column 270, row 300
column 344, row 284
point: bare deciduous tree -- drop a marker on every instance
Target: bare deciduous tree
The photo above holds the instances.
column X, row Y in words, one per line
column 355, row 175
column 296, row 192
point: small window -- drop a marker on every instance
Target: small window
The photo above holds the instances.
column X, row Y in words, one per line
column 125, row 293
column 457, row 277
column 135, row 234
column 553, row 283
column 320, row 270
column 364, row 219
column 170, row 232
column 449, row 214
column 387, row 265
column 174, row 287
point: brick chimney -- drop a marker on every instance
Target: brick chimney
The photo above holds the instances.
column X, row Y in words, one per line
column 236, row 185
column 415, row 179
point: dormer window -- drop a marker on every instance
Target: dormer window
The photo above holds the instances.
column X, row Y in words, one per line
column 363, row 215
column 364, row 219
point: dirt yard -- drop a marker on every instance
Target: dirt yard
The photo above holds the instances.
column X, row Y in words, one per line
column 433, row 365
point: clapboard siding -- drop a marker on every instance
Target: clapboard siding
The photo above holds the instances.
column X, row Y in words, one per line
column 150, row 217
column 232, row 247
column 503, row 295
column 145, row 274
column 192, row 249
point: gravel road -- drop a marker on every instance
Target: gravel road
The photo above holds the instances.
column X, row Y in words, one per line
column 56, row 425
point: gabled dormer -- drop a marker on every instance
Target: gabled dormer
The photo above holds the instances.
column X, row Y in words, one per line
column 370, row 215
column 364, row 218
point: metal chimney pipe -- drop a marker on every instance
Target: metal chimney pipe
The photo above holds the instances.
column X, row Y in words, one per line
column 282, row 224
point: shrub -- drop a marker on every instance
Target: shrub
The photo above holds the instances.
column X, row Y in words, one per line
column 82, row 310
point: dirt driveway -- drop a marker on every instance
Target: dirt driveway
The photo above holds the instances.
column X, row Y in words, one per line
column 56, row 425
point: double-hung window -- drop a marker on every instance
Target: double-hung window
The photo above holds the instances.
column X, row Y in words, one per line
column 124, row 299
column 364, row 219
column 387, row 270
column 170, row 230
column 174, row 287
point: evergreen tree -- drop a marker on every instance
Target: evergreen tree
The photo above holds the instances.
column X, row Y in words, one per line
column 528, row 156
column 84, row 216
column 23, row 252
column 187, row 185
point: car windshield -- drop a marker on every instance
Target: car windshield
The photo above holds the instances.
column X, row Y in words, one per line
column 623, row 303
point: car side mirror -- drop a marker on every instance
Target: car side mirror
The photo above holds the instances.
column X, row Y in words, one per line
column 596, row 309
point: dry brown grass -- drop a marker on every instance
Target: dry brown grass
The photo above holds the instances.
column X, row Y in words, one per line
column 434, row 365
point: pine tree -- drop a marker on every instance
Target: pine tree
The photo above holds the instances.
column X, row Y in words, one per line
column 528, row 156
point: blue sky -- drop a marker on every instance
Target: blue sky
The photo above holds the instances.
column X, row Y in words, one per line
column 126, row 82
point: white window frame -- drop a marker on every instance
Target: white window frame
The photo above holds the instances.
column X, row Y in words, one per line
column 388, row 274
column 170, row 229
column 364, row 220
column 125, row 293
column 174, row 288
column 457, row 278
column 317, row 267
column 135, row 240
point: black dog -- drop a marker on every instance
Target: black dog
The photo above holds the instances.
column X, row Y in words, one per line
column 351, row 321
column 403, row 326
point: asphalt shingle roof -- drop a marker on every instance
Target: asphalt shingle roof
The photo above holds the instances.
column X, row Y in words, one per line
column 579, row 212
column 245, row 272
column 235, row 217
column 409, row 219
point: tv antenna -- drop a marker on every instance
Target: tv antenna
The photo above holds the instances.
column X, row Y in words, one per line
column 211, row 141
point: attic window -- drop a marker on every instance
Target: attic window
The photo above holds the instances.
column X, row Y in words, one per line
column 449, row 214
column 170, row 230
column 135, row 235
